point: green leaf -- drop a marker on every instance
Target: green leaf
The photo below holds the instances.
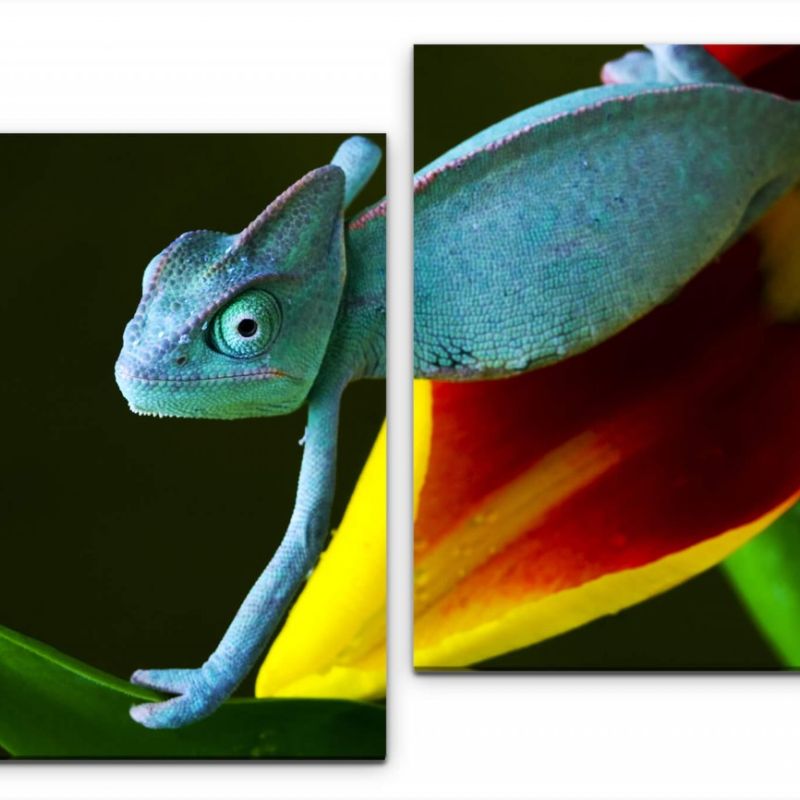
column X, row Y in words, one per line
column 766, row 575
column 52, row 706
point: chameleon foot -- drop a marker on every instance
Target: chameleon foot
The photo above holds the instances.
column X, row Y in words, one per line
column 667, row 63
column 198, row 696
column 634, row 67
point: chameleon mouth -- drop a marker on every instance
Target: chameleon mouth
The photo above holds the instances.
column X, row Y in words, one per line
column 128, row 375
column 199, row 413
column 144, row 413
column 232, row 396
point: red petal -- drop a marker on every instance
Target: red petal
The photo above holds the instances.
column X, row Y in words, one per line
column 745, row 59
column 695, row 407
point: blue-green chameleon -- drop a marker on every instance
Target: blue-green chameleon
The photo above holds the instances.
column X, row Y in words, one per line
column 534, row 240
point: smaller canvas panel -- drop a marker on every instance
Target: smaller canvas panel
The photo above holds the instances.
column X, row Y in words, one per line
column 214, row 285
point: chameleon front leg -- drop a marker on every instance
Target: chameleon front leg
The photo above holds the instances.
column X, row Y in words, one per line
column 200, row 691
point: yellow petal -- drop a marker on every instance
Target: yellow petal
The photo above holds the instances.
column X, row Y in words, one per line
column 455, row 638
column 423, row 430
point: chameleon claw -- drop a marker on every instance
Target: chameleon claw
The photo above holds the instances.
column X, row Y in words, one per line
column 173, row 713
column 174, row 681
column 196, row 697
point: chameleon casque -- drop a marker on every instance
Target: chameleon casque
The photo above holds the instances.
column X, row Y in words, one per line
column 534, row 240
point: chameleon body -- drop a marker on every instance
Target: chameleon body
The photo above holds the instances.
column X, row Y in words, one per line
column 559, row 226
column 534, row 240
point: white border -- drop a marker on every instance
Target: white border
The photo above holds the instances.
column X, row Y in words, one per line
column 339, row 66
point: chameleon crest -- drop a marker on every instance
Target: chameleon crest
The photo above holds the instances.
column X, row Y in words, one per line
column 222, row 329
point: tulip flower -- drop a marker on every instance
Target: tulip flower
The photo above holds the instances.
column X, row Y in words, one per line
column 547, row 500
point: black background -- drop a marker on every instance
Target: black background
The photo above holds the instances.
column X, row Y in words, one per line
column 459, row 90
column 130, row 541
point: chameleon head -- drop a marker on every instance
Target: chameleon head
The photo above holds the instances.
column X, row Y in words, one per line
column 237, row 325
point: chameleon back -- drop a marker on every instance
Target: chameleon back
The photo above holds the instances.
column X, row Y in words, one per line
column 558, row 227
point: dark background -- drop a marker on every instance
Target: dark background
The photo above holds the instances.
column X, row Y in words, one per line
column 459, row 90
column 130, row 541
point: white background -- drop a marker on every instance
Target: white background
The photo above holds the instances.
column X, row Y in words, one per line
column 341, row 66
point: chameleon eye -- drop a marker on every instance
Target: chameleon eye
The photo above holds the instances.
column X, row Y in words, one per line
column 247, row 326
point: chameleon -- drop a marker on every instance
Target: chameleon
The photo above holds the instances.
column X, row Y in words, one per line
column 284, row 313
column 534, row 240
